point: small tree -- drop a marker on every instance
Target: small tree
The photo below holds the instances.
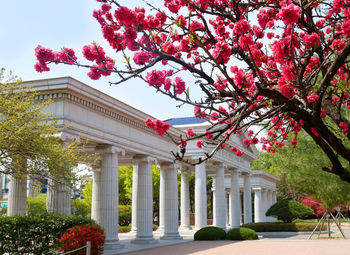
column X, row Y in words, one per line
column 289, row 210
column 29, row 140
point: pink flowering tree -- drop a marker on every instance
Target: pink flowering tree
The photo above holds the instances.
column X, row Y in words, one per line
column 282, row 65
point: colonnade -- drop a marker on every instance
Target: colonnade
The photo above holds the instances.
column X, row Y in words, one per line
column 227, row 208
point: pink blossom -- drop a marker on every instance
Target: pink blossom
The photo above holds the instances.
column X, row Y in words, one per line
column 141, row 58
column 156, row 78
column 222, row 52
column 199, row 144
column 180, row 86
column 246, row 142
column 125, row 16
column 44, row 55
column 311, row 41
column 41, row 67
column 94, row 74
column 338, row 45
column 294, row 141
column 190, row 132
column 220, row 84
column 346, row 28
column 157, row 125
column 130, row 35
column 254, row 140
column 214, row 116
column 241, row 27
column 344, row 127
column 312, row 98
column 290, row 14
column 239, row 153
column 285, row 88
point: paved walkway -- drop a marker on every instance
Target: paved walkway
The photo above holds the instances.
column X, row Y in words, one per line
column 283, row 243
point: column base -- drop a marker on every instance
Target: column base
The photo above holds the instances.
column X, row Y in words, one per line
column 173, row 236
column 132, row 233
column 144, row 240
column 185, row 228
column 160, row 230
column 112, row 245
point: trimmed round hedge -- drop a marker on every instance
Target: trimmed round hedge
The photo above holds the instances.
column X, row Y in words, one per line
column 241, row 234
column 210, row 233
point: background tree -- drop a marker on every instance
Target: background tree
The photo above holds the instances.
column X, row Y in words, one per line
column 284, row 61
column 29, row 142
column 299, row 170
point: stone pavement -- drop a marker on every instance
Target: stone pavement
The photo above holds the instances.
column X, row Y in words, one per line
column 273, row 243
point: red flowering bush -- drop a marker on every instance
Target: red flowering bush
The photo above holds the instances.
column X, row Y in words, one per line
column 77, row 237
column 315, row 205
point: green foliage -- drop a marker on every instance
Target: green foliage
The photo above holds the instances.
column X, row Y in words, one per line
column 283, row 227
column 210, row 233
column 35, row 234
column 29, row 144
column 124, row 215
column 241, row 234
column 36, row 205
column 124, row 229
column 288, row 210
column 82, row 208
column 300, row 171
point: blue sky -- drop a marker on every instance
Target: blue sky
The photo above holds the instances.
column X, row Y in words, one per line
column 57, row 23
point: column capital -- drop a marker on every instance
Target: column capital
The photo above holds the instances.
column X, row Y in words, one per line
column 257, row 189
column 170, row 165
column 110, row 149
column 144, row 158
column 234, row 170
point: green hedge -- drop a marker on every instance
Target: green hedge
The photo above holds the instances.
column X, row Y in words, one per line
column 289, row 210
column 35, row 234
column 125, row 229
column 282, row 227
column 241, row 234
column 210, row 233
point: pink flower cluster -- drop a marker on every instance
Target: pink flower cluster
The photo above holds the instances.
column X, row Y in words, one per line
column 157, row 125
column 45, row 56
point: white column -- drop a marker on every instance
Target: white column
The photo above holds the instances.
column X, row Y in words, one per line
column 214, row 200
column 105, row 210
column 220, row 198
column 264, row 204
column 235, row 200
column 96, row 186
column 258, row 207
column 247, row 199
column 274, row 197
column 17, row 197
column 269, row 203
column 144, row 232
column 134, row 200
column 1, row 184
column 185, row 201
column 227, row 208
column 170, row 203
column 30, row 190
column 58, row 198
column 200, row 196
column 162, row 188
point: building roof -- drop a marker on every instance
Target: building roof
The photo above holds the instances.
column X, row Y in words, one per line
column 185, row 121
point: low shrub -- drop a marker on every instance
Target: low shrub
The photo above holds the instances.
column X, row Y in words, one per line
column 124, row 229
column 36, row 205
column 283, row 227
column 155, row 227
column 77, row 237
column 124, row 215
column 35, row 234
column 288, row 210
column 210, row 233
column 241, row 234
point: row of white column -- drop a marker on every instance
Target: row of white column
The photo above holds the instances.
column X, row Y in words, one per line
column 105, row 199
column 263, row 200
